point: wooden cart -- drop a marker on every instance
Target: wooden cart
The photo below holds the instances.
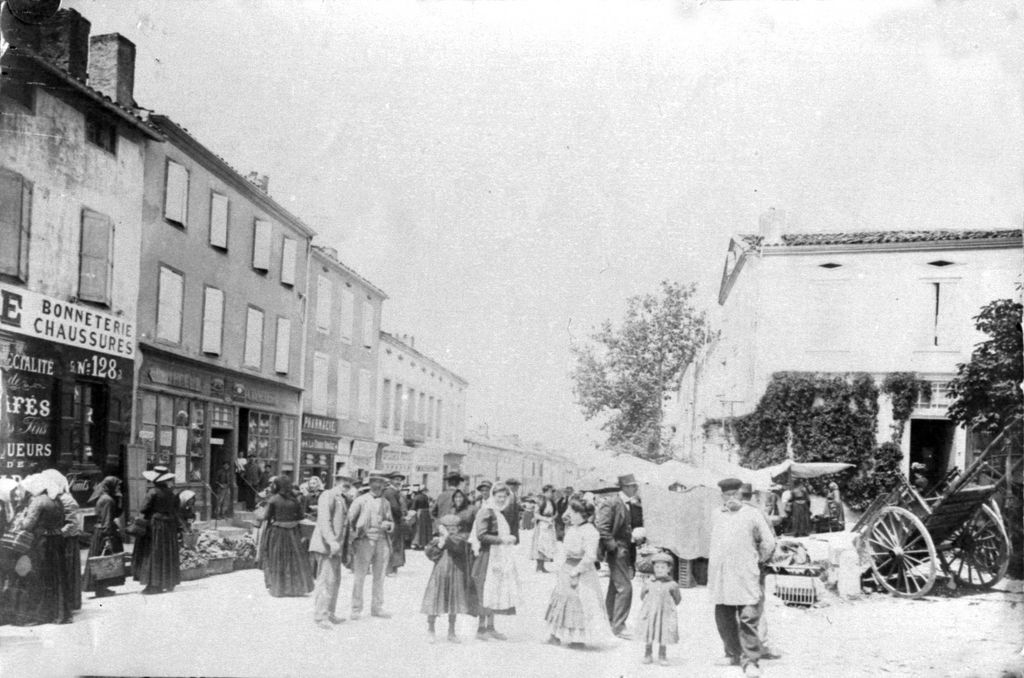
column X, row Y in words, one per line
column 955, row 526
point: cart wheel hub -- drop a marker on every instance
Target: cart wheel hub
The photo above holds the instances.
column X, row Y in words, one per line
column 898, row 551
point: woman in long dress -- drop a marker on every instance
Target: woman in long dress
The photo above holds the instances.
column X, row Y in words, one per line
column 420, row 503
column 800, row 512
column 39, row 595
column 542, row 546
column 494, row 569
column 449, row 589
column 285, row 564
column 158, row 566
column 576, row 613
column 106, row 535
column 71, row 532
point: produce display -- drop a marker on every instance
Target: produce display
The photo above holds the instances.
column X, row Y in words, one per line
column 190, row 558
column 211, row 546
column 244, row 548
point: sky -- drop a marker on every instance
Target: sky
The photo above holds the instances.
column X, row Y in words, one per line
column 510, row 172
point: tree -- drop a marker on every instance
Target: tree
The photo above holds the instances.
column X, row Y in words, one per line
column 628, row 372
column 986, row 392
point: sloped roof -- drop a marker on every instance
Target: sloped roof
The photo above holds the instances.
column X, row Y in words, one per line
column 879, row 237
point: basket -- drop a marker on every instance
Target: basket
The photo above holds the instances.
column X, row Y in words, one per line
column 220, row 565
column 18, row 542
column 193, row 573
column 686, row 579
column 793, row 589
column 189, row 539
column 106, row 567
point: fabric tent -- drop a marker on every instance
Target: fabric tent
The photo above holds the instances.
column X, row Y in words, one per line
column 605, row 472
column 810, row 469
column 680, row 521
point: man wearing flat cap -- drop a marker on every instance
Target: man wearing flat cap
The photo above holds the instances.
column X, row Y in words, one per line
column 370, row 525
column 740, row 541
column 328, row 545
column 615, row 524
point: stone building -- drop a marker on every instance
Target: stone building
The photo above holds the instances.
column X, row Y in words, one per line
column 72, row 152
column 342, row 362
column 505, row 457
column 872, row 302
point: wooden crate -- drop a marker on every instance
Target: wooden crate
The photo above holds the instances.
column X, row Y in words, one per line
column 193, row 573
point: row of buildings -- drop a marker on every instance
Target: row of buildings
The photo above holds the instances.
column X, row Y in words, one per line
column 157, row 306
column 879, row 302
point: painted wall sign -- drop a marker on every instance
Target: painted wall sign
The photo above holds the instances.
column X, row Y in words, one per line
column 36, row 315
column 312, row 423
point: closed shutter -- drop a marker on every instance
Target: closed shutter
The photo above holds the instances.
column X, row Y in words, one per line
column 95, row 265
column 261, row 245
column 323, row 303
column 15, row 218
column 347, row 314
column 344, row 388
column 176, row 193
column 320, row 384
column 368, row 324
column 254, row 337
column 169, row 305
column 213, row 320
column 283, row 346
column 219, row 220
column 365, row 409
column 289, row 250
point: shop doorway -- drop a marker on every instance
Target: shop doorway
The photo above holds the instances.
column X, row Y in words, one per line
column 931, row 441
column 222, row 472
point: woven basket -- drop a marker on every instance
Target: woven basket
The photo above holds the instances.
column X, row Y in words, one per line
column 107, row 567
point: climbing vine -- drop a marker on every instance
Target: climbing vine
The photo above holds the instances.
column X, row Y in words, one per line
column 903, row 388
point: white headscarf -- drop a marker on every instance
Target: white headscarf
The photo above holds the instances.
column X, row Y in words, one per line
column 503, row 529
column 7, row 487
column 57, row 479
column 37, row 484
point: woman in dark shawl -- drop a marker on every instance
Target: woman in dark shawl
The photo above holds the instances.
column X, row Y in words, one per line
column 285, row 563
column 106, row 536
column 158, row 567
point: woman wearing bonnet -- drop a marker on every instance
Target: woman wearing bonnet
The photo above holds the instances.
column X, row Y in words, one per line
column 494, row 568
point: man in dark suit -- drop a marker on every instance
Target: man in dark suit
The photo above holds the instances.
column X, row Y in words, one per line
column 393, row 494
column 513, row 508
column 443, row 504
column 615, row 524
column 561, row 504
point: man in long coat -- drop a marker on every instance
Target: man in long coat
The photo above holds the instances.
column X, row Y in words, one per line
column 615, row 524
column 328, row 544
column 393, row 494
column 740, row 541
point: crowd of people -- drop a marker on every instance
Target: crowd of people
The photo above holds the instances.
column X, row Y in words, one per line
column 367, row 526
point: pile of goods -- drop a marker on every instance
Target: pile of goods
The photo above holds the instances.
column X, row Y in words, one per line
column 190, row 559
column 245, row 551
column 213, row 554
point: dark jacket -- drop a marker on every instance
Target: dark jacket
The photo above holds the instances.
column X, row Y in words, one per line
column 614, row 523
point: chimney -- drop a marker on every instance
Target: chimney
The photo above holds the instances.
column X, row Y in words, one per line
column 261, row 181
column 16, row 32
column 64, row 40
column 772, row 226
column 112, row 67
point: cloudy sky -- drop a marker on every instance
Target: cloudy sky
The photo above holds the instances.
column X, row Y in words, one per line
column 510, row 172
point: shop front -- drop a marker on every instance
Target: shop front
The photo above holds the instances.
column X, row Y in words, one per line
column 359, row 456
column 398, row 459
column 66, row 374
column 224, row 435
column 318, row 449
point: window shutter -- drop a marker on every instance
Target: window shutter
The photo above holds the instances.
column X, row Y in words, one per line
column 950, row 320
column 364, row 395
column 176, row 193
column 15, row 217
column 283, row 346
column 344, row 388
column 168, row 314
column 323, row 303
column 320, row 384
column 289, row 250
column 254, row 337
column 213, row 320
column 94, row 264
column 218, row 220
column 368, row 324
column 261, row 245
column 347, row 313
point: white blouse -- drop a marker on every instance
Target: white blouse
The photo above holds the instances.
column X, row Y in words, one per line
column 581, row 542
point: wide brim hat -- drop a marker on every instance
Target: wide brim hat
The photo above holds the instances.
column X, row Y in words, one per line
column 512, row 482
column 730, row 484
column 164, row 477
column 485, row 483
column 151, row 476
column 377, row 475
column 395, row 475
column 454, row 476
column 627, row 480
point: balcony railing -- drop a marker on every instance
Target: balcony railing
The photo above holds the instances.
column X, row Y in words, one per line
column 414, row 433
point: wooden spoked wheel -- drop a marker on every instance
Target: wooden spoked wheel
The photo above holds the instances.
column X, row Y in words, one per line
column 978, row 553
column 902, row 552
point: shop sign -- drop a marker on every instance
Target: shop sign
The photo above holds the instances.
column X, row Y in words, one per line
column 312, row 423
column 315, row 444
column 427, row 468
column 187, row 381
column 251, row 394
column 36, row 315
column 396, row 455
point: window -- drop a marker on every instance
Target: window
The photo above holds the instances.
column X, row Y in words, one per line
column 943, row 314
column 269, row 438
column 283, row 346
column 365, row 402
column 437, row 420
column 213, row 320
column 253, row 338
column 323, row 303
column 368, row 324
column 289, row 252
column 385, row 404
column 422, row 411
column 430, row 417
column 96, row 258
column 261, row 245
column 170, row 304
column 219, row 210
column 396, row 419
column 15, row 220
column 320, row 384
column 410, row 407
column 173, row 431
column 100, row 132
column 344, row 388
column 176, row 194
column 347, row 314
column 84, row 411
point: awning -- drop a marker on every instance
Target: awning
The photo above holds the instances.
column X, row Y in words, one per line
column 807, row 469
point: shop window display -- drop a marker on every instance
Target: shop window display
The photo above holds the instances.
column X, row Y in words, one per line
column 173, row 429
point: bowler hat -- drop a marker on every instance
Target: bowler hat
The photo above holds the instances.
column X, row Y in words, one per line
column 396, row 476
column 454, row 477
column 730, row 484
column 485, row 483
column 377, row 475
column 513, row 482
column 627, row 479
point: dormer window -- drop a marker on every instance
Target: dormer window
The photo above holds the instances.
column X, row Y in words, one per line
column 830, row 265
column 940, row 263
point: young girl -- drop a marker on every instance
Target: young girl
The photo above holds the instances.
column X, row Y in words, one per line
column 449, row 589
column 658, row 613
column 576, row 614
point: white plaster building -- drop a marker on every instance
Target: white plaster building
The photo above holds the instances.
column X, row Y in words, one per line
column 876, row 302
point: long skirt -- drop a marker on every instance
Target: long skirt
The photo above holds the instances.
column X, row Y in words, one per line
column 449, row 589
column 73, row 572
column 542, row 545
column 158, row 566
column 576, row 613
column 41, row 596
column 496, row 585
column 398, row 536
column 96, row 549
column 285, row 564
column 424, row 529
